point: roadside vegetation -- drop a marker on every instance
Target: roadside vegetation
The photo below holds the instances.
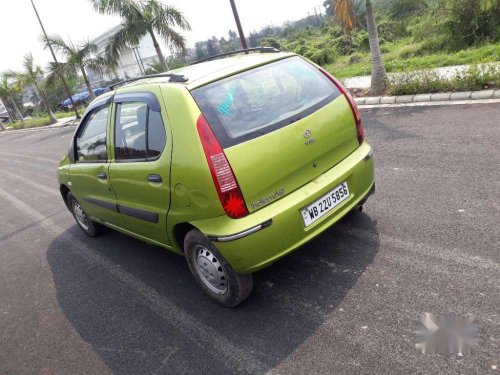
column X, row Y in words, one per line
column 350, row 38
column 413, row 35
column 139, row 18
column 403, row 55
column 472, row 79
column 78, row 58
column 35, row 122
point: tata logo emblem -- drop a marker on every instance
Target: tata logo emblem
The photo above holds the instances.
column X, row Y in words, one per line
column 308, row 136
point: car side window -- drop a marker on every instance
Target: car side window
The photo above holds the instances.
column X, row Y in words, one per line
column 139, row 132
column 156, row 135
column 91, row 141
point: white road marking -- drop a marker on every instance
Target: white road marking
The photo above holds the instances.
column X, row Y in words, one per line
column 164, row 362
column 32, row 157
column 204, row 336
column 431, row 251
column 25, row 180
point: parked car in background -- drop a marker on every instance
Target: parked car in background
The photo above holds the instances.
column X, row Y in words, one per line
column 81, row 98
column 233, row 162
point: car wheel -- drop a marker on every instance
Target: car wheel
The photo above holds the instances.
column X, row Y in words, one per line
column 215, row 276
column 89, row 227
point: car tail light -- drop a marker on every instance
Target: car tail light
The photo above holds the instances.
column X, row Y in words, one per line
column 224, row 180
column 354, row 107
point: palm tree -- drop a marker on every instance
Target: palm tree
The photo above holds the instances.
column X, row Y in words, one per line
column 154, row 68
column 8, row 95
column 344, row 11
column 78, row 57
column 33, row 75
column 141, row 18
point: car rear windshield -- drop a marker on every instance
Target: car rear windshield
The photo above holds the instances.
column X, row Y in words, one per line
column 261, row 100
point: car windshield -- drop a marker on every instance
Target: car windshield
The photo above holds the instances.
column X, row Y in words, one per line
column 258, row 101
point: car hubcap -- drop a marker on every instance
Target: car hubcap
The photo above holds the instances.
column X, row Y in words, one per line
column 210, row 270
column 80, row 216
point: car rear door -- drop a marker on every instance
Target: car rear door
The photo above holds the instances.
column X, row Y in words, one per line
column 140, row 167
column 89, row 178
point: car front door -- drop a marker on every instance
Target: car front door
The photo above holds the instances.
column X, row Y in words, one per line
column 89, row 175
column 140, row 167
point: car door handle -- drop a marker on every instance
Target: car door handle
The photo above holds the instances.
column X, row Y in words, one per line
column 102, row 176
column 154, row 178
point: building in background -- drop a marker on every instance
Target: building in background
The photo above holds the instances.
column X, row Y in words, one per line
column 30, row 96
column 4, row 114
column 134, row 61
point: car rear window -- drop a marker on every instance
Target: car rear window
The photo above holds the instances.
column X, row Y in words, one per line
column 250, row 104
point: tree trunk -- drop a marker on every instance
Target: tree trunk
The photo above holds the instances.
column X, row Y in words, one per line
column 163, row 62
column 42, row 93
column 87, row 83
column 379, row 75
column 52, row 118
column 8, row 109
column 19, row 115
column 1, row 125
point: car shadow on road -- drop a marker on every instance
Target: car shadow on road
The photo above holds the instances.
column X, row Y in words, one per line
column 120, row 301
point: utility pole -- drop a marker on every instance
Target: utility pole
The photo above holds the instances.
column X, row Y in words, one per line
column 238, row 25
column 316, row 15
column 57, row 63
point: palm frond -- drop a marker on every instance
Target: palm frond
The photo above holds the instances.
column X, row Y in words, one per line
column 54, row 71
column 85, row 51
column 168, row 16
column 52, row 75
column 154, row 68
column 10, row 83
column 101, row 65
column 130, row 34
column 124, row 8
column 88, row 48
column 175, row 41
column 59, row 44
column 140, row 17
column 165, row 19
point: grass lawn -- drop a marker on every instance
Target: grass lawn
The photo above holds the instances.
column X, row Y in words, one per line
column 36, row 122
column 405, row 56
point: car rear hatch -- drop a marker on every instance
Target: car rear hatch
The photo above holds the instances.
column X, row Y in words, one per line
column 280, row 126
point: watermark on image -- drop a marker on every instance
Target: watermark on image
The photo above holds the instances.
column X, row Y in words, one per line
column 447, row 334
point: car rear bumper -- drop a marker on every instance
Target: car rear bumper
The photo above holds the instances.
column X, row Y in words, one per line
column 264, row 236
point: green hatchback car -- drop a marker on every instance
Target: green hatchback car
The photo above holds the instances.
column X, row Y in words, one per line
column 233, row 162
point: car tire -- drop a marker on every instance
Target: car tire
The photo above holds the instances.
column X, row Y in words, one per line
column 212, row 272
column 89, row 227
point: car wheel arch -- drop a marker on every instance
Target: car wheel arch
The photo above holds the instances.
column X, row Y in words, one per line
column 64, row 193
column 179, row 233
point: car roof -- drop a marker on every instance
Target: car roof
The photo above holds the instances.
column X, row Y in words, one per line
column 209, row 71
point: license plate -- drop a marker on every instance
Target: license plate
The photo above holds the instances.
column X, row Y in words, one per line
column 325, row 204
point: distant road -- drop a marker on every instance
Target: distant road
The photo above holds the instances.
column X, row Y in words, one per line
column 364, row 82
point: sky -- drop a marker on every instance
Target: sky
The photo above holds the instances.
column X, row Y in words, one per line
column 76, row 20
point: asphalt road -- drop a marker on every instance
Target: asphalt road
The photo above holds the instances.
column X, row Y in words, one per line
column 346, row 303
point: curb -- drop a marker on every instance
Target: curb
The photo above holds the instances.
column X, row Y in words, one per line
column 422, row 98
column 62, row 123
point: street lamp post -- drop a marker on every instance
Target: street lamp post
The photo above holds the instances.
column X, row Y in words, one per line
column 138, row 59
column 238, row 25
column 57, row 63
